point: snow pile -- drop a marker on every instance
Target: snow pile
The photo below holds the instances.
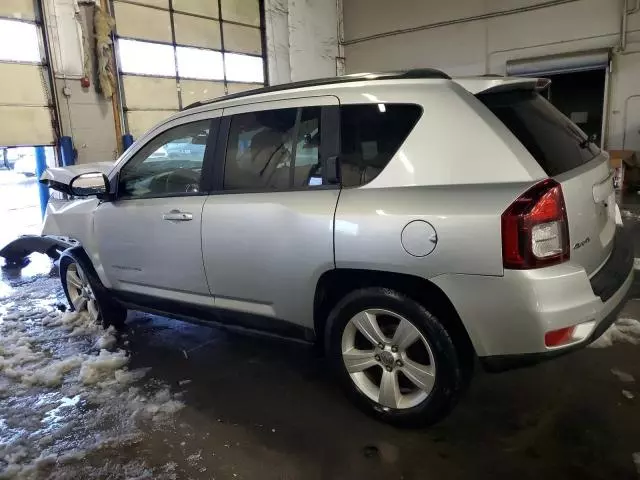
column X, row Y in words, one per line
column 102, row 367
column 624, row 330
column 629, row 214
column 107, row 340
column 66, row 391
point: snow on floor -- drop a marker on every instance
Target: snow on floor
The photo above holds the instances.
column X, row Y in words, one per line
column 66, row 392
column 629, row 214
column 624, row 330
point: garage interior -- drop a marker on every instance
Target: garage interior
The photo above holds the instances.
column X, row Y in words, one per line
column 81, row 80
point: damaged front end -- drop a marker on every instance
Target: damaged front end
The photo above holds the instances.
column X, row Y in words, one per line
column 16, row 253
column 66, row 222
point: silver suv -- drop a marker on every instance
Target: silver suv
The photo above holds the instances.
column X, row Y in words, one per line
column 408, row 223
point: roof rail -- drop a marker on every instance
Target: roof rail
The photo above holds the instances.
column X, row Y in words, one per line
column 355, row 77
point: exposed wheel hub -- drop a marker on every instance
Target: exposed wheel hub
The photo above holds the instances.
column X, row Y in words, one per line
column 387, row 359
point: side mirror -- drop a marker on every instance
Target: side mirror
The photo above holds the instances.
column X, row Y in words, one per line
column 87, row 184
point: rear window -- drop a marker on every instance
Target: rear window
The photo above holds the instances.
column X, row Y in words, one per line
column 371, row 135
column 553, row 140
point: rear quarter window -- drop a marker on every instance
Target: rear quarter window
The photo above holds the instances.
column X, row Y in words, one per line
column 370, row 135
column 553, row 140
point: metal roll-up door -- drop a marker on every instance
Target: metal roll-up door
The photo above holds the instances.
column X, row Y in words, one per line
column 26, row 103
column 172, row 53
column 557, row 64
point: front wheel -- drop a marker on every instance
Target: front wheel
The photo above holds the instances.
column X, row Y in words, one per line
column 85, row 296
column 393, row 357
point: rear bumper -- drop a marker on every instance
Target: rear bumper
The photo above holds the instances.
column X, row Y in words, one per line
column 501, row 363
column 507, row 317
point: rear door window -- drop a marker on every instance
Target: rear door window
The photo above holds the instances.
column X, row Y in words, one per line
column 274, row 150
column 370, row 135
column 259, row 150
column 552, row 139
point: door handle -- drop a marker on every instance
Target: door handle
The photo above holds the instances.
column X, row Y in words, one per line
column 177, row 216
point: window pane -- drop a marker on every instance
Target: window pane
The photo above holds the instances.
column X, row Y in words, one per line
column 243, row 68
column 242, row 87
column 141, row 121
column 146, row 58
column 150, row 93
column 170, row 164
column 19, row 41
column 22, row 9
column 141, row 22
column 241, row 11
column 196, row 31
column 196, row 90
column 238, row 38
column 199, row 7
column 551, row 138
column 200, row 64
column 155, row 3
column 308, row 171
column 371, row 134
column 259, row 150
column 23, row 84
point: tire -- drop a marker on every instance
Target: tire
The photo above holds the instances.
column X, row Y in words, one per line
column 423, row 378
column 84, row 291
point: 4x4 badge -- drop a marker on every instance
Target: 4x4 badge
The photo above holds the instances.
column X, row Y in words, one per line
column 582, row 243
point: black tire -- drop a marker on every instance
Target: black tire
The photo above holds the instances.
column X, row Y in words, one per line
column 110, row 312
column 451, row 377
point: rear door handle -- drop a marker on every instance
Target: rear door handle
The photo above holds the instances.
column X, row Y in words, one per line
column 177, row 216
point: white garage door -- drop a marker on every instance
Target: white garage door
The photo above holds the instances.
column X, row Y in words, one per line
column 175, row 52
column 25, row 95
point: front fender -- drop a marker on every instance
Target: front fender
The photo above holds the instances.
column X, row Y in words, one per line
column 74, row 219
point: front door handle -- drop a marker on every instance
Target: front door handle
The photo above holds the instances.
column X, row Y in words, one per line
column 177, row 216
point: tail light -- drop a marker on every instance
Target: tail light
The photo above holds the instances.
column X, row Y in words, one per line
column 535, row 232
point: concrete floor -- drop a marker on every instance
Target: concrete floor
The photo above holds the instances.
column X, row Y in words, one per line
column 263, row 408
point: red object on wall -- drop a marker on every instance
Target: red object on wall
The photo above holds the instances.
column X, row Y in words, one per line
column 85, row 82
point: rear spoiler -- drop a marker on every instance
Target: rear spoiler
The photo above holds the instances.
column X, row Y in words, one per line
column 491, row 84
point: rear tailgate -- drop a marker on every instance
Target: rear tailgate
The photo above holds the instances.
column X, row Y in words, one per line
column 565, row 154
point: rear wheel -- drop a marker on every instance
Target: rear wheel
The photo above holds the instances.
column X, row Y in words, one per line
column 85, row 296
column 393, row 357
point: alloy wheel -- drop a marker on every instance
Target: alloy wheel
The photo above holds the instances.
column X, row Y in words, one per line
column 388, row 358
column 81, row 294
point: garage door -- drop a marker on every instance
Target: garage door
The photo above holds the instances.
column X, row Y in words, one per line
column 175, row 52
column 26, row 106
column 558, row 64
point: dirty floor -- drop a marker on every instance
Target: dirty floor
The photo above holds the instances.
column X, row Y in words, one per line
column 169, row 400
